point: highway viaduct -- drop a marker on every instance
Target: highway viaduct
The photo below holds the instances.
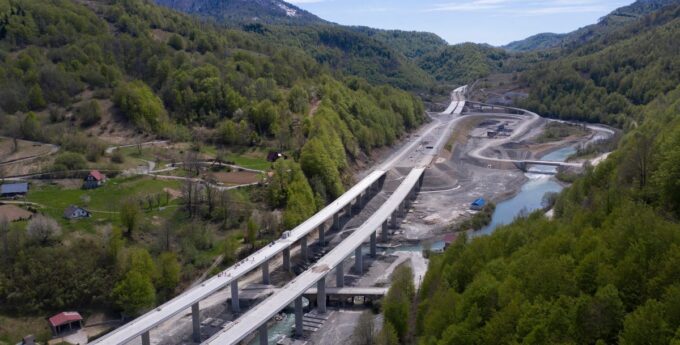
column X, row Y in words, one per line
column 386, row 216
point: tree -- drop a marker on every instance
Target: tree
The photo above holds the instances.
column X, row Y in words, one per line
column 130, row 215
column 397, row 302
column 388, row 335
column 140, row 105
column 364, row 332
column 36, row 101
column 176, row 42
column 168, row 273
column 251, row 232
column 69, row 161
column 134, row 293
column 43, row 229
column 646, row 325
column 30, row 127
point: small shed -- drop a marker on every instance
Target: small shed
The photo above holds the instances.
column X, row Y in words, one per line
column 65, row 322
column 9, row 190
column 478, row 204
column 75, row 212
column 94, row 180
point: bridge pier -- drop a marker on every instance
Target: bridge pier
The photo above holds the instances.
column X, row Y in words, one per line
column 384, row 233
column 374, row 245
column 196, row 321
column 340, row 274
column 336, row 221
column 348, row 209
column 235, row 305
column 358, row 260
column 304, row 250
column 393, row 220
column 322, row 235
column 286, row 259
column 321, row 295
column 146, row 338
column 265, row 273
column 299, row 328
column 264, row 337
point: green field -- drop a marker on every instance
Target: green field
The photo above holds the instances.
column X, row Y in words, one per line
column 103, row 202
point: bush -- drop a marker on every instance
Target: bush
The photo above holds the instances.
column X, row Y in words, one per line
column 118, row 157
column 89, row 113
column 70, row 161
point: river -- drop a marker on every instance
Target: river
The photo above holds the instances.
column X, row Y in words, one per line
column 531, row 195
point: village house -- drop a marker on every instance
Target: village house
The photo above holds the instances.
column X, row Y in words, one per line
column 94, row 180
column 75, row 212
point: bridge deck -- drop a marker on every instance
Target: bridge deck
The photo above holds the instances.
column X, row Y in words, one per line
column 260, row 314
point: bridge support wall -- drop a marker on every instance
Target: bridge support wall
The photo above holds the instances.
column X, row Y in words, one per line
column 322, row 235
column 196, row 322
column 286, row 259
column 384, row 234
column 299, row 327
column 304, row 250
column 265, row 273
column 374, row 244
column 358, row 260
column 340, row 274
column 264, row 337
column 146, row 338
column 321, row 295
column 235, row 305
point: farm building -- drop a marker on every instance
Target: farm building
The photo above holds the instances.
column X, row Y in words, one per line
column 94, row 180
column 65, row 322
column 75, row 212
column 478, row 204
column 9, row 190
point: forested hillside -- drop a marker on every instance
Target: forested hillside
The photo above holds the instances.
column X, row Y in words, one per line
column 369, row 54
column 611, row 22
column 607, row 79
column 69, row 67
column 604, row 271
column 412, row 44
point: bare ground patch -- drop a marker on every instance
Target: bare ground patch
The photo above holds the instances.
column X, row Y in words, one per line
column 235, row 177
column 14, row 213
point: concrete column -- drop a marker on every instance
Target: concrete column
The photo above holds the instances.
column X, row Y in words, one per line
column 348, row 209
column 286, row 259
column 340, row 274
column 393, row 221
column 265, row 273
column 374, row 244
column 304, row 251
column 358, row 260
column 336, row 221
column 384, row 233
column 264, row 338
column 146, row 339
column 322, row 235
column 299, row 331
column 235, row 305
column 321, row 295
column 196, row 321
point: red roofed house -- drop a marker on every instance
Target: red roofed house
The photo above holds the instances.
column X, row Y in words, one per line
column 449, row 239
column 94, row 180
column 65, row 322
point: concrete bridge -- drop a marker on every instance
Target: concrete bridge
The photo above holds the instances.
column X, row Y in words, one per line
column 524, row 164
column 356, row 197
column 255, row 320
